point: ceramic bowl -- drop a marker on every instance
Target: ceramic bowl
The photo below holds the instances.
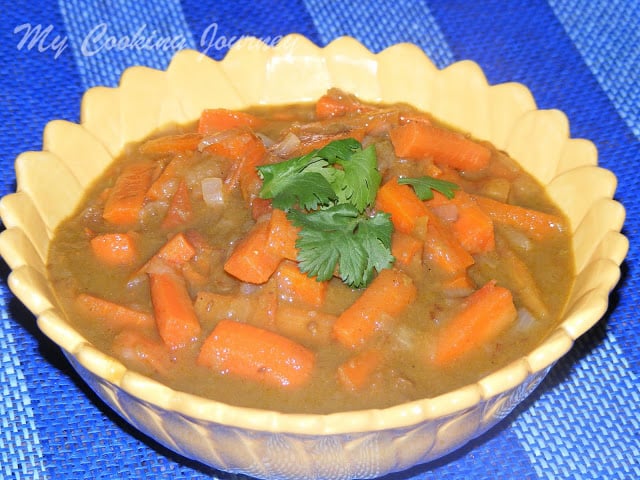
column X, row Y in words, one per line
column 269, row 444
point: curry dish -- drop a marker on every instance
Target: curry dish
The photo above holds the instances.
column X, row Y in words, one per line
column 314, row 258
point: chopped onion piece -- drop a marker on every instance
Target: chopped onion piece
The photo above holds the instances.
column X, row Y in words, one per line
column 286, row 146
column 526, row 321
column 212, row 191
column 517, row 240
column 266, row 140
column 247, row 288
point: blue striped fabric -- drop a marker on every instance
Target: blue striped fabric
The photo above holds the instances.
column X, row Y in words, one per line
column 107, row 37
column 579, row 56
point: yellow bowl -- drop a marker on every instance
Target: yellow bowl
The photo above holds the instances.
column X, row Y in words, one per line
column 359, row 444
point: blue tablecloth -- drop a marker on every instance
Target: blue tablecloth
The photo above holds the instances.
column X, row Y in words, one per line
column 581, row 56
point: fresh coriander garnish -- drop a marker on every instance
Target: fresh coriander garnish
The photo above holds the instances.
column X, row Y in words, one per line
column 326, row 193
column 424, row 187
column 340, row 238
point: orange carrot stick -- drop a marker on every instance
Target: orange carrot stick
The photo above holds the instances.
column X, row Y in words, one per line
column 336, row 103
column 282, row 235
column 178, row 249
column 443, row 250
column 354, row 373
column 115, row 315
column 252, row 260
column 538, row 225
column 296, row 287
column 419, row 140
column 142, row 351
column 115, row 249
column 402, row 203
column 220, row 119
column 127, row 196
column 405, row 247
column 175, row 317
column 458, row 286
column 486, row 313
column 388, row 295
column 185, row 142
column 260, row 207
column 180, row 209
column 473, row 228
column 167, row 181
column 256, row 354
column 176, row 252
column 246, row 151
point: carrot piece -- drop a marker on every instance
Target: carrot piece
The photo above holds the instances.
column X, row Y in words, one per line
column 175, row 316
column 443, row 250
column 356, row 371
column 142, row 351
column 167, row 181
column 402, row 203
column 115, row 249
column 304, row 325
column 388, row 295
column 485, row 314
column 295, row 286
column 256, row 354
column 185, row 142
column 329, row 107
column 113, row 314
column 180, row 209
column 282, row 235
column 336, row 103
column 419, row 140
column 252, row 260
column 260, row 207
column 538, row 225
column 473, row 228
column 128, row 194
column 461, row 284
column 405, row 247
column 407, row 116
column 246, row 151
column 219, row 119
column 177, row 250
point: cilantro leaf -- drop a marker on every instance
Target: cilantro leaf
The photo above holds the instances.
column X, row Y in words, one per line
column 361, row 178
column 374, row 235
column 340, row 237
column 424, row 187
column 339, row 150
column 301, row 180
